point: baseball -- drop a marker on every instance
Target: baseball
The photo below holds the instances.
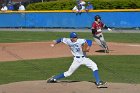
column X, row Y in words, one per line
column 52, row 45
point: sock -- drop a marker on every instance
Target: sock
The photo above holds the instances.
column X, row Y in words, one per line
column 59, row 76
column 96, row 75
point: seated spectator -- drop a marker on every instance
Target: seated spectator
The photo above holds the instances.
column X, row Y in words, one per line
column 21, row 7
column 83, row 3
column 89, row 7
column 4, row 8
column 10, row 6
column 77, row 8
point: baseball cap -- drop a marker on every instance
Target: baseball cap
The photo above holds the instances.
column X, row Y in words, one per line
column 88, row 2
column 73, row 35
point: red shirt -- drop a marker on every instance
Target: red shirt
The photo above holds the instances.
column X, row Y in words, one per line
column 97, row 26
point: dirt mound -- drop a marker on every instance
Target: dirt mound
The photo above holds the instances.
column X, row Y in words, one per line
column 67, row 87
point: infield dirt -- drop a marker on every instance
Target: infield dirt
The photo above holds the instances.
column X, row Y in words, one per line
column 39, row 50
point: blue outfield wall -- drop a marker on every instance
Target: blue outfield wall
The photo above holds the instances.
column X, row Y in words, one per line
column 68, row 19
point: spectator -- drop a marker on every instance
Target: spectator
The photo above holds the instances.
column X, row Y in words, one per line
column 77, row 8
column 4, row 8
column 10, row 6
column 89, row 7
column 83, row 3
column 21, row 7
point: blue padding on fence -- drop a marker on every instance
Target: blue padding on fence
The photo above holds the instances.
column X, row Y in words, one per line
column 57, row 20
column 122, row 19
column 13, row 20
column 69, row 19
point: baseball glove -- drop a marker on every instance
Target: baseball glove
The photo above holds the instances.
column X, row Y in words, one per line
column 85, row 47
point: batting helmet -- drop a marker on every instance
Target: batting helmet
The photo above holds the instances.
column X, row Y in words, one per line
column 97, row 17
column 73, row 35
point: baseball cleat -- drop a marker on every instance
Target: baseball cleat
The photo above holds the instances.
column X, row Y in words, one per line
column 101, row 84
column 107, row 51
column 51, row 80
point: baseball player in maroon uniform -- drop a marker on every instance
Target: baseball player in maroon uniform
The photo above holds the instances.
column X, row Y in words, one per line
column 97, row 27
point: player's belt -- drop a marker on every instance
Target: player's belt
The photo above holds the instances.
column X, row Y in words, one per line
column 97, row 33
column 79, row 56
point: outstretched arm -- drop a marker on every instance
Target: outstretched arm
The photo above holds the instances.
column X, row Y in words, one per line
column 107, row 28
column 56, row 42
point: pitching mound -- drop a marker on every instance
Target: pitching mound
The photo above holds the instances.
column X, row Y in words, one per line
column 67, row 87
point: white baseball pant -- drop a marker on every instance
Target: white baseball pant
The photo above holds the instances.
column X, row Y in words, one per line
column 77, row 62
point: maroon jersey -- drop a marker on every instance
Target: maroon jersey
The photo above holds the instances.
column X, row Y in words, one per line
column 97, row 27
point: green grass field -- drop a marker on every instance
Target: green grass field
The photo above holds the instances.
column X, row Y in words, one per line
column 112, row 68
column 23, row 36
